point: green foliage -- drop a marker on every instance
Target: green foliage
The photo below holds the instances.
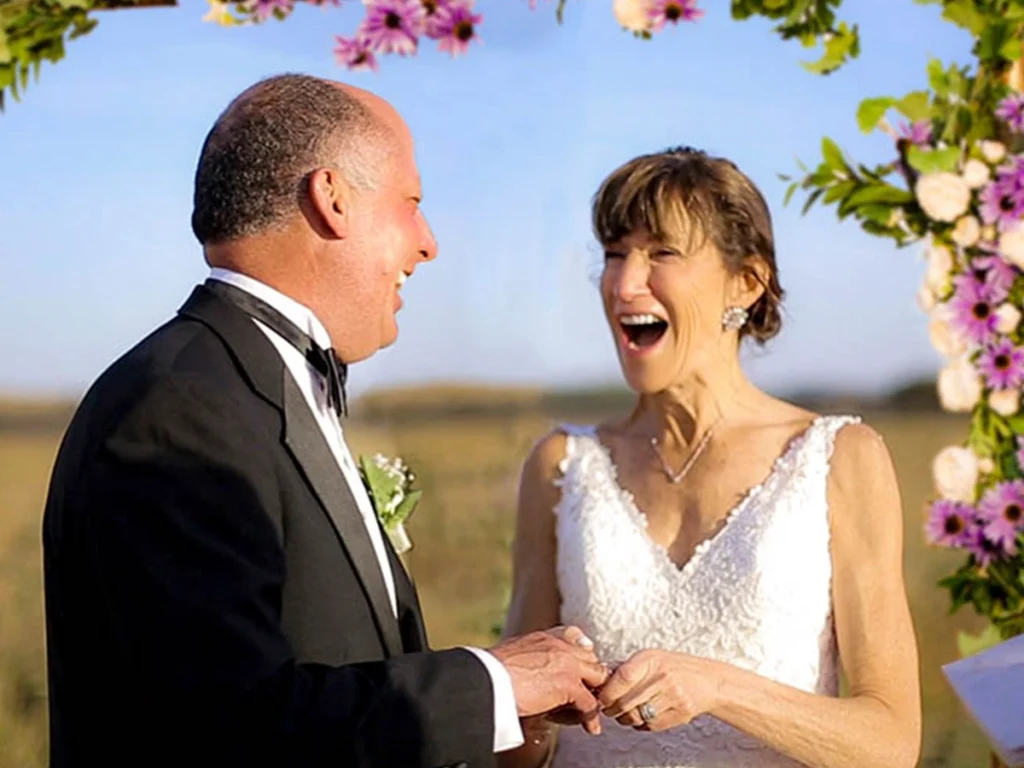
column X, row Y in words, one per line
column 808, row 21
column 33, row 31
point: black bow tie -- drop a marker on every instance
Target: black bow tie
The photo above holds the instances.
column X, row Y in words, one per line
column 325, row 361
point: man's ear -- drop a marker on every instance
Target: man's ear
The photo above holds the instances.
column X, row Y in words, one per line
column 329, row 197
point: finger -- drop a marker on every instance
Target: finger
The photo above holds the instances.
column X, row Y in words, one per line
column 628, row 676
column 628, row 702
column 585, row 703
column 576, row 636
column 631, row 718
column 593, row 674
column 664, row 715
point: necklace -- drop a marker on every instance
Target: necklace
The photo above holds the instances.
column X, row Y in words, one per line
column 677, row 477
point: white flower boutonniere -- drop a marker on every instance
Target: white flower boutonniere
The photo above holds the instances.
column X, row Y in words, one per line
column 390, row 485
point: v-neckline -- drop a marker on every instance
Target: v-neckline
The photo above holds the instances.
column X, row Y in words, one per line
column 640, row 519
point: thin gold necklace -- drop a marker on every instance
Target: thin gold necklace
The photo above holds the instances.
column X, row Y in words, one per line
column 677, row 477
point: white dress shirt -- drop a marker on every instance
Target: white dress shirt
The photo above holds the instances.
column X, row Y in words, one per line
column 507, row 731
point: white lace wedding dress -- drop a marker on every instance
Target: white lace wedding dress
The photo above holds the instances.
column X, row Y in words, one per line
column 756, row 595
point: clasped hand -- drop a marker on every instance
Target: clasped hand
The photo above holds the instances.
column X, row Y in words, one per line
column 557, row 678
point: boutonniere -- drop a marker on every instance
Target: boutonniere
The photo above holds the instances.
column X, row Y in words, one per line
column 389, row 482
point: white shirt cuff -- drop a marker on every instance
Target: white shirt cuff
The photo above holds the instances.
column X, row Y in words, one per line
column 508, row 733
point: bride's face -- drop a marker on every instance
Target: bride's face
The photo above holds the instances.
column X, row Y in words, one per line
column 664, row 304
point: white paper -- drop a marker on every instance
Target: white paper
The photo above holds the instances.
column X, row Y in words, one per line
column 991, row 687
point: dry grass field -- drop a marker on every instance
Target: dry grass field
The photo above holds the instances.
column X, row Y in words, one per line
column 468, row 463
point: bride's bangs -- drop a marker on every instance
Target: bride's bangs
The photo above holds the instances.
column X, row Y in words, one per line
column 642, row 198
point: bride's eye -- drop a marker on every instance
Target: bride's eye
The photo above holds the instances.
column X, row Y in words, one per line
column 612, row 255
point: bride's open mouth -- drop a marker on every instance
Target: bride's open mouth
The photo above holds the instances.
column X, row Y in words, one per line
column 641, row 332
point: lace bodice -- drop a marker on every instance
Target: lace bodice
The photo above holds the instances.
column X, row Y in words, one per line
column 757, row 595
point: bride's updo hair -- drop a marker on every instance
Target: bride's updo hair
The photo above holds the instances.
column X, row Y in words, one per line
column 685, row 196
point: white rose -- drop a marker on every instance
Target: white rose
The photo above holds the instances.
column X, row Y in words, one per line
column 944, row 338
column 1007, row 318
column 634, row 15
column 966, row 232
column 926, row 299
column 975, row 173
column 959, row 386
column 940, row 264
column 1011, row 245
column 993, row 151
column 986, row 466
column 943, row 196
column 955, row 471
column 1005, row 402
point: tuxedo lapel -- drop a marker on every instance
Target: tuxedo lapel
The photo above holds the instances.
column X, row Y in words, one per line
column 266, row 373
column 309, row 449
column 410, row 615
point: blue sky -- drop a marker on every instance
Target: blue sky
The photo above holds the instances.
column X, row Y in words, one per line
column 512, row 140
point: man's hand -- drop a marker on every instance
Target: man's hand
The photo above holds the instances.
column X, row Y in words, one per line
column 554, row 671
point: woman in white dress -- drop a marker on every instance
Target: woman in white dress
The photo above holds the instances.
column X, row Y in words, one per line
column 727, row 552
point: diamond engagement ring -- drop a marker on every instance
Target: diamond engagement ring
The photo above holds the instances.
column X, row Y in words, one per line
column 647, row 712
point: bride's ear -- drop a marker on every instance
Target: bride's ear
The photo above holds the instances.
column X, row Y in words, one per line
column 329, row 197
column 750, row 283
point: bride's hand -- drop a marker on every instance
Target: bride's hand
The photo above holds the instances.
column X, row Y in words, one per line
column 675, row 688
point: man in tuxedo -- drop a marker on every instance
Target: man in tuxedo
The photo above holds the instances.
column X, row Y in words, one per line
column 218, row 589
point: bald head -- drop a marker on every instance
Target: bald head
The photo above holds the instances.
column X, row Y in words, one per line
column 252, row 170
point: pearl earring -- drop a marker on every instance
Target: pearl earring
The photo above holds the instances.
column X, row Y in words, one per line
column 734, row 318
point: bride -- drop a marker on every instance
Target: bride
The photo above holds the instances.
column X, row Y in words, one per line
column 727, row 553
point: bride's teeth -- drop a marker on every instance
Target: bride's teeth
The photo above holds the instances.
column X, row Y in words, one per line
column 401, row 279
column 646, row 319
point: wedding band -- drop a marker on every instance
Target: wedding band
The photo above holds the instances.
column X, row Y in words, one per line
column 647, row 712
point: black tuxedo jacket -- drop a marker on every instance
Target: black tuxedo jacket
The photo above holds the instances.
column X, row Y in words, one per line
column 212, row 596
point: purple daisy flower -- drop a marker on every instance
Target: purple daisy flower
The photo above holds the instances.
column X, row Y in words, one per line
column 984, row 549
column 949, row 523
column 459, row 27
column 995, row 272
column 264, row 9
column 1001, row 513
column 1002, row 199
column 1002, row 364
column 664, row 11
column 435, row 21
column 354, row 53
column 973, row 309
column 392, row 26
column 1011, row 111
column 918, row 132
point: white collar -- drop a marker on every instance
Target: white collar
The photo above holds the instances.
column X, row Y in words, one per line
column 299, row 314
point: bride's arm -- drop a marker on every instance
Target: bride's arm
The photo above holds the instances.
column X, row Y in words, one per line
column 535, row 599
column 879, row 722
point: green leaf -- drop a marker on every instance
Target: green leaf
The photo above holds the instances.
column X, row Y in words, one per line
column 843, row 44
column 789, row 192
column 839, row 191
column 832, row 154
column 969, row 645
column 872, row 110
column 933, row 160
column 964, row 14
column 915, row 106
column 402, row 512
column 83, row 4
column 880, row 193
column 811, row 200
column 937, row 78
column 995, row 39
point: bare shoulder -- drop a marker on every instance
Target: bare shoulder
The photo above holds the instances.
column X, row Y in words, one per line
column 859, row 452
column 546, row 456
column 864, row 493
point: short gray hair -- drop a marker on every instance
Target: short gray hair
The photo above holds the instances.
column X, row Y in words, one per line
column 261, row 149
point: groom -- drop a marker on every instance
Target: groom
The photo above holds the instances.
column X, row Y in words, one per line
column 218, row 590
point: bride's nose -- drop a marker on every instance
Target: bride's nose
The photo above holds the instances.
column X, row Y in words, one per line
column 632, row 280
